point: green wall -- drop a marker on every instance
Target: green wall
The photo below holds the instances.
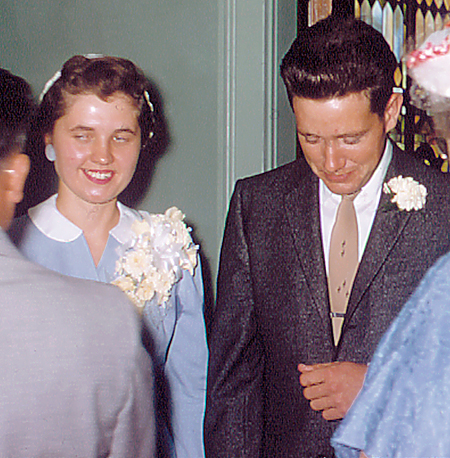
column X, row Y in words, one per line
column 180, row 45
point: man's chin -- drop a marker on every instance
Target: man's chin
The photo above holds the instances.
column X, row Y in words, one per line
column 342, row 188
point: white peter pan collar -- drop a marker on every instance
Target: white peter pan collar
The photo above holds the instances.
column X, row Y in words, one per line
column 47, row 218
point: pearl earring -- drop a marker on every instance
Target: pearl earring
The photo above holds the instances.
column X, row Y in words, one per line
column 50, row 153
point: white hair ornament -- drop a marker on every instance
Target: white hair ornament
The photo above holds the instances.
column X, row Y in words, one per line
column 57, row 75
column 49, row 84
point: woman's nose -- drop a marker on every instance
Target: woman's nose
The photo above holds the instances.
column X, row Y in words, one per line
column 101, row 152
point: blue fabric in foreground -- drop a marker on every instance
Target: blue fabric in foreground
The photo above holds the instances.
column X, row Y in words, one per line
column 403, row 409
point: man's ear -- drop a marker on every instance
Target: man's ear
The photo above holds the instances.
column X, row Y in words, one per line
column 392, row 111
column 14, row 170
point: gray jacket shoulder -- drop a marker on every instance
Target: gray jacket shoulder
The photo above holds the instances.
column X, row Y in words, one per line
column 75, row 351
column 281, row 178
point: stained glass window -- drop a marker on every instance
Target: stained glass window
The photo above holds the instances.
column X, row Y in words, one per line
column 404, row 24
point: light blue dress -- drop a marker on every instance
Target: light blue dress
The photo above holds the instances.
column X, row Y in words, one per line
column 48, row 238
column 403, row 409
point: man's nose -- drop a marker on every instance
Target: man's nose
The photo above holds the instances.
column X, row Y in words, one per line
column 334, row 160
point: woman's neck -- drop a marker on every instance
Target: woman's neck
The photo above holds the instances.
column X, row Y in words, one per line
column 95, row 220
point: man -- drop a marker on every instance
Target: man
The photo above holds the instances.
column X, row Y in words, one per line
column 76, row 380
column 276, row 316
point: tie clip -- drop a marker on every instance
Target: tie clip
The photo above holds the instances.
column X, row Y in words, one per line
column 337, row 315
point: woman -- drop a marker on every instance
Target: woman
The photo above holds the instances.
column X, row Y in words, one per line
column 96, row 119
column 403, row 409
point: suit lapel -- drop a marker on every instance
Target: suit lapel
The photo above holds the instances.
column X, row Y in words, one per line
column 302, row 209
column 388, row 224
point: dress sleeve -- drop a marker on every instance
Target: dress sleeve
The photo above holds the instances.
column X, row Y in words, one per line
column 233, row 423
column 403, row 409
column 186, row 365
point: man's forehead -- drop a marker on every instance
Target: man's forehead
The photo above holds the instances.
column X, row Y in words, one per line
column 351, row 107
column 357, row 96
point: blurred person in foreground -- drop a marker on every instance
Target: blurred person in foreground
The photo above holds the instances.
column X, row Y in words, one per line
column 285, row 310
column 76, row 380
column 403, row 408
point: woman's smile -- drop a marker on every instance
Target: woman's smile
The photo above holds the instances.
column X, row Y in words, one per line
column 97, row 144
column 99, row 176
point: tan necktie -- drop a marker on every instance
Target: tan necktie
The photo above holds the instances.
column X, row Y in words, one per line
column 343, row 261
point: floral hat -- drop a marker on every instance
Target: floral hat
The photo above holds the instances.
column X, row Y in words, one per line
column 429, row 68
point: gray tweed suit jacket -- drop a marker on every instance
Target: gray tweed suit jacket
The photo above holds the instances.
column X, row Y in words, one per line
column 272, row 308
column 75, row 380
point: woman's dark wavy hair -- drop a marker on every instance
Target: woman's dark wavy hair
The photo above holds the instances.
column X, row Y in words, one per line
column 102, row 76
column 336, row 57
column 16, row 110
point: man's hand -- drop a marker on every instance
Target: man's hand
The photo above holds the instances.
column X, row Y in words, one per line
column 332, row 387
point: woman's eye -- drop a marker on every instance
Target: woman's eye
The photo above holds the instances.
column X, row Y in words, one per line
column 81, row 137
column 120, row 138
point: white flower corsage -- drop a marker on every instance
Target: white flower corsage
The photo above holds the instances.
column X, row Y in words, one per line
column 407, row 193
column 154, row 259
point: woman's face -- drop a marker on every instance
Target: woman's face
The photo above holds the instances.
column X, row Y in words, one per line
column 97, row 146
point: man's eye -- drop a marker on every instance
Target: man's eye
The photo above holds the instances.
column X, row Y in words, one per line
column 351, row 140
column 311, row 139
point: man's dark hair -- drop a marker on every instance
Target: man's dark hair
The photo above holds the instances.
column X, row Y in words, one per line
column 16, row 109
column 336, row 57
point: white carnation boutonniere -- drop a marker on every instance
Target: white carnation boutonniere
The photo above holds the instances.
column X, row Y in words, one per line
column 406, row 192
column 154, row 259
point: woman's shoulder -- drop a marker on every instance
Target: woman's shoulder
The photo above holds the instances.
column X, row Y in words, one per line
column 45, row 219
column 128, row 226
column 172, row 217
column 144, row 215
column 129, row 215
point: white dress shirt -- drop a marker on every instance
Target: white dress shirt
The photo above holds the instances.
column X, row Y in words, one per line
column 366, row 204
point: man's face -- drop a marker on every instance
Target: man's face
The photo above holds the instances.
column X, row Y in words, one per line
column 342, row 140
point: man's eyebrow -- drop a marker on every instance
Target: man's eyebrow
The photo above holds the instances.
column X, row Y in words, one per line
column 81, row 127
column 360, row 133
